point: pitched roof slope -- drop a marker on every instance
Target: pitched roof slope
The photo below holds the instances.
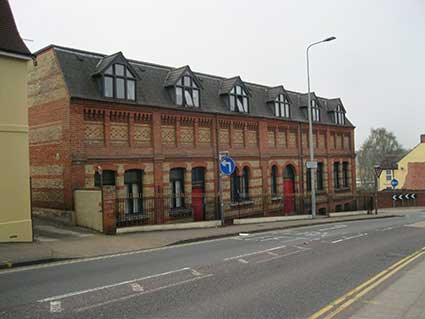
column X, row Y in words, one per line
column 79, row 66
column 10, row 40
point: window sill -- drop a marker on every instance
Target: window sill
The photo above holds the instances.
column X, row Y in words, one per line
column 242, row 203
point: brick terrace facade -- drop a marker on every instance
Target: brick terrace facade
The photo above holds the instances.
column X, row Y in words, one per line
column 70, row 137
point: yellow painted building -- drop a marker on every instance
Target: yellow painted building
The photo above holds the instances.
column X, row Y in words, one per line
column 15, row 208
column 409, row 170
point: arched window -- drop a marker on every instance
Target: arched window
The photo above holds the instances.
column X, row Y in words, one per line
column 119, row 82
column 339, row 115
column 336, row 175
column 234, row 187
column 244, row 192
column 281, row 106
column 274, row 180
column 187, row 92
column 177, row 187
column 238, row 100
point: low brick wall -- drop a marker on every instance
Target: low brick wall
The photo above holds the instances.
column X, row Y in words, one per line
column 385, row 199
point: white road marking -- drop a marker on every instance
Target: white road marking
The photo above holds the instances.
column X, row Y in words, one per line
column 281, row 256
column 272, row 253
column 333, row 227
column 302, row 248
column 385, row 229
column 136, row 287
column 348, row 238
column 243, row 261
column 141, row 293
column 88, row 259
column 56, row 306
column 195, row 272
column 81, row 292
column 243, row 234
column 254, row 253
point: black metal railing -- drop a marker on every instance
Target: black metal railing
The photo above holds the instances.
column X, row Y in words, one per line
column 199, row 207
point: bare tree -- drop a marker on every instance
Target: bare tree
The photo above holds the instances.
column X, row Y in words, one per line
column 379, row 145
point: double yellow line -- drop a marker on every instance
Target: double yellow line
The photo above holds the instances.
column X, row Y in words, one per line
column 335, row 307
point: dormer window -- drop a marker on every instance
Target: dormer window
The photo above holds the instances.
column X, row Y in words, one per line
column 339, row 116
column 281, row 106
column 119, row 83
column 315, row 111
column 238, row 100
column 187, row 92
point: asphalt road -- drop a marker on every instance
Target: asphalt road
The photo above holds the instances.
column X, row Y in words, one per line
column 279, row 274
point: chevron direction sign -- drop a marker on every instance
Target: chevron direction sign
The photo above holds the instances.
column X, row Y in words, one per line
column 404, row 196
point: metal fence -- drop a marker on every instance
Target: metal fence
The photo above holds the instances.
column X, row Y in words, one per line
column 200, row 207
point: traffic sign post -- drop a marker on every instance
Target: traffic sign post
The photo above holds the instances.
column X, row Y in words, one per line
column 394, row 184
column 378, row 171
column 226, row 166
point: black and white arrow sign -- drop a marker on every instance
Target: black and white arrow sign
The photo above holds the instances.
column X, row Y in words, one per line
column 404, row 196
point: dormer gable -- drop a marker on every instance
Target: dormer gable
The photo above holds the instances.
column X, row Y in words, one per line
column 278, row 99
column 185, row 86
column 236, row 94
column 117, row 77
column 337, row 110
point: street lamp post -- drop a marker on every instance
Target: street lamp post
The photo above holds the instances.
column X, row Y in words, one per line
column 310, row 131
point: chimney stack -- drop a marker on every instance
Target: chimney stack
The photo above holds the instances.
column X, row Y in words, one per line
column 422, row 138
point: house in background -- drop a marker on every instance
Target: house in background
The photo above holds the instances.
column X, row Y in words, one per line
column 15, row 208
column 408, row 170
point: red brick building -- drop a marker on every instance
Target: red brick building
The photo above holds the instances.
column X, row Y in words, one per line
column 156, row 131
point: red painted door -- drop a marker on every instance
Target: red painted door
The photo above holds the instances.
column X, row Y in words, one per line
column 197, row 204
column 288, row 196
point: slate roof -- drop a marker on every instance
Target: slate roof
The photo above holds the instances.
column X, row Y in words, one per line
column 10, row 40
column 79, row 66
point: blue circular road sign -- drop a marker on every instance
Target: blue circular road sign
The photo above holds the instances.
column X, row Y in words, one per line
column 227, row 165
column 394, row 183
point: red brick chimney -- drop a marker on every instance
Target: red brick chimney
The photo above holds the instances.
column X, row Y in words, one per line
column 422, row 138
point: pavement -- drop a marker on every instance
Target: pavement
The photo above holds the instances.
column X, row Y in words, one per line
column 400, row 298
column 56, row 241
column 285, row 273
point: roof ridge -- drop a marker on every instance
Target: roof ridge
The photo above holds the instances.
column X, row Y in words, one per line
column 169, row 68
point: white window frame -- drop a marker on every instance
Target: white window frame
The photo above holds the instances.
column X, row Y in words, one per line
column 238, row 100
column 281, row 106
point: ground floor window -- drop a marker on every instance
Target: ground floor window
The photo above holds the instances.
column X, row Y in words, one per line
column 177, row 187
column 108, row 178
column 239, row 185
column 336, row 175
column 274, row 180
column 244, row 194
column 133, row 182
column 345, row 174
column 320, row 176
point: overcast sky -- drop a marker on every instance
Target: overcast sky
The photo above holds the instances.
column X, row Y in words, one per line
column 376, row 64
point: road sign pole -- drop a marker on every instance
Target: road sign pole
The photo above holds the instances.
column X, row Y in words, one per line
column 220, row 189
column 220, row 186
